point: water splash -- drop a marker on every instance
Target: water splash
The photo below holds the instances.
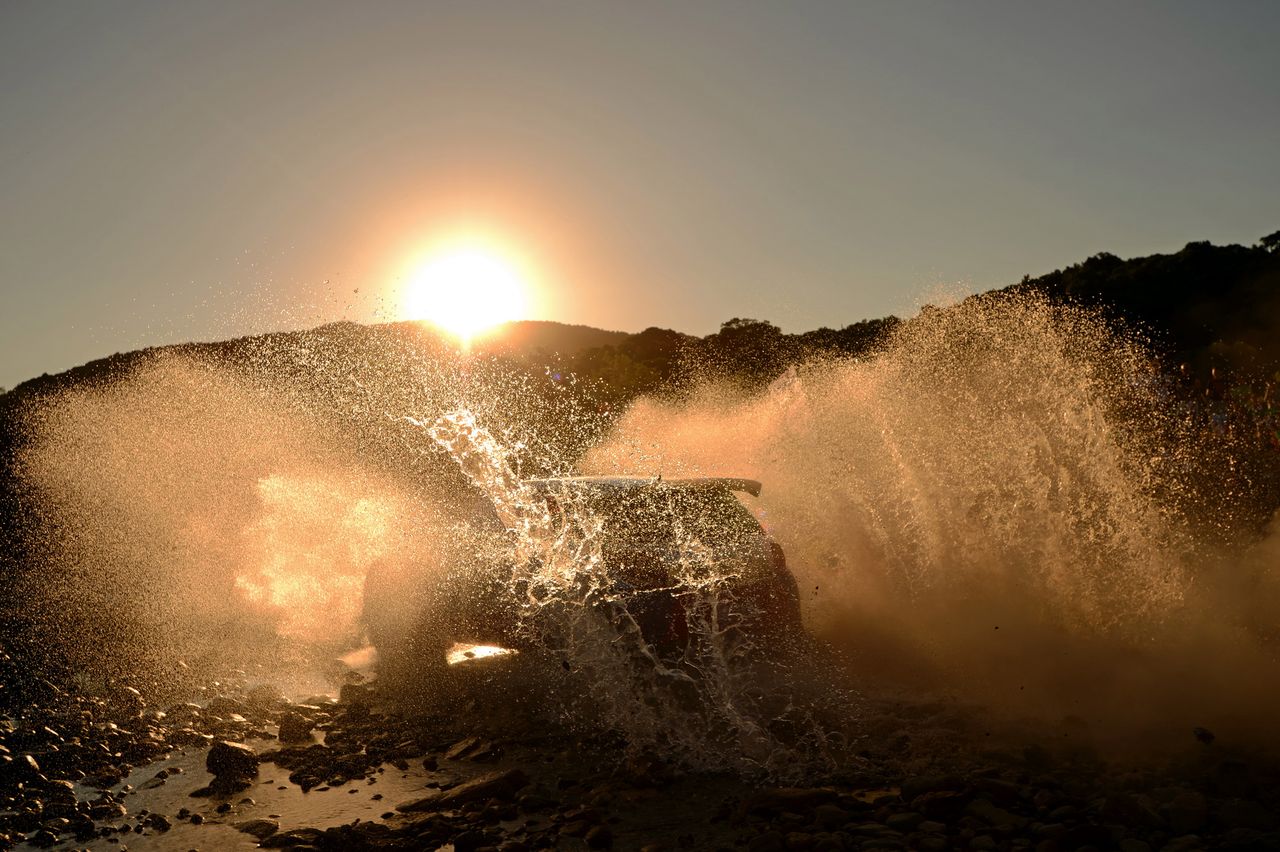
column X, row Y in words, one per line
column 307, row 553
column 715, row 707
column 185, row 511
column 995, row 505
column 1000, row 505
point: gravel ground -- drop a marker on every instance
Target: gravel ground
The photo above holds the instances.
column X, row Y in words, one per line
column 246, row 767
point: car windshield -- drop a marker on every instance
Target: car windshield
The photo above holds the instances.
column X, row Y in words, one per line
column 644, row 527
column 647, row 516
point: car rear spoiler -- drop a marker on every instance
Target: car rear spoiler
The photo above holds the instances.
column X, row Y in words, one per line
column 748, row 486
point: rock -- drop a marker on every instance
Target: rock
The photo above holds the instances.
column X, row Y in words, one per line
column 495, row 785
column 994, row 816
column 940, row 805
column 463, row 748
column 44, row 838
column 830, row 817
column 259, row 828
column 799, row 840
column 222, row 705
column 1188, row 812
column 769, row 841
column 128, row 699
column 575, row 828
column 355, row 694
column 1063, row 813
column 904, row 821
column 1125, row 809
column 922, row 784
column 159, row 822
column 1244, row 813
column 265, row 697
column 1086, row 834
column 469, row 841
column 789, row 799
column 232, row 761
column 24, row 768
column 600, row 837
column 1184, row 843
column 295, row 728
column 294, row 837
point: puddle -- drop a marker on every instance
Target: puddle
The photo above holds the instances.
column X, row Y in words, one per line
column 290, row 807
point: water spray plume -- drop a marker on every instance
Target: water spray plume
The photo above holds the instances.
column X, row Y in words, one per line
column 1002, row 505
column 995, row 506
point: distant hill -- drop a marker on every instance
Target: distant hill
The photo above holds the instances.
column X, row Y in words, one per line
column 1212, row 314
column 523, row 339
column 1208, row 307
column 531, row 338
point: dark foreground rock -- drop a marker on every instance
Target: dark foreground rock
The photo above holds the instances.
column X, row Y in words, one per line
column 500, row 786
column 295, row 728
column 232, row 761
column 514, row 781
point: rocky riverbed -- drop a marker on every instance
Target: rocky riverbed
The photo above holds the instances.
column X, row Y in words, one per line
column 244, row 766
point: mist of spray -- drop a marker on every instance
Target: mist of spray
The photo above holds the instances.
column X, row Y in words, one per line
column 998, row 505
column 994, row 507
column 186, row 512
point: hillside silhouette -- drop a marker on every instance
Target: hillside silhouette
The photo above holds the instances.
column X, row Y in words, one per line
column 1204, row 309
column 1209, row 315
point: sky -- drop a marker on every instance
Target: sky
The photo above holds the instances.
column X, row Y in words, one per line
column 176, row 171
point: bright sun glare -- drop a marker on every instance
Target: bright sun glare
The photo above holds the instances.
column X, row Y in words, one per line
column 465, row 290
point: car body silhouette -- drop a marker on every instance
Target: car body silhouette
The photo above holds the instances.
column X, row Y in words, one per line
column 675, row 559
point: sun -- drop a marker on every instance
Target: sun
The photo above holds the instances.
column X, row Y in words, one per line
column 465, row 289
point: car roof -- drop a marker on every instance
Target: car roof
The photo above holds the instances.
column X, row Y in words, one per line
column 635, row 483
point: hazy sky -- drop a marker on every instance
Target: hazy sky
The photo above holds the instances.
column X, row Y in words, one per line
column 180, row 170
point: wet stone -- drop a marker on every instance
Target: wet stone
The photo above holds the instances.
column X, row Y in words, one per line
column 44, row 838
column 231, row 760
column 1131, row 844
column 904, row 821
column 295, row 728
column 495, row 785
column 265, row 697
column 294, row 838
column 994, row 816
column 1188, row 812
column 789, row 799
column 829, row 816
column 463, row 748
column 159, row 822
column 259, row 828
column 769, row 841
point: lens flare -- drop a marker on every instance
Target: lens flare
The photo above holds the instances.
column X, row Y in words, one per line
column 465, row 290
